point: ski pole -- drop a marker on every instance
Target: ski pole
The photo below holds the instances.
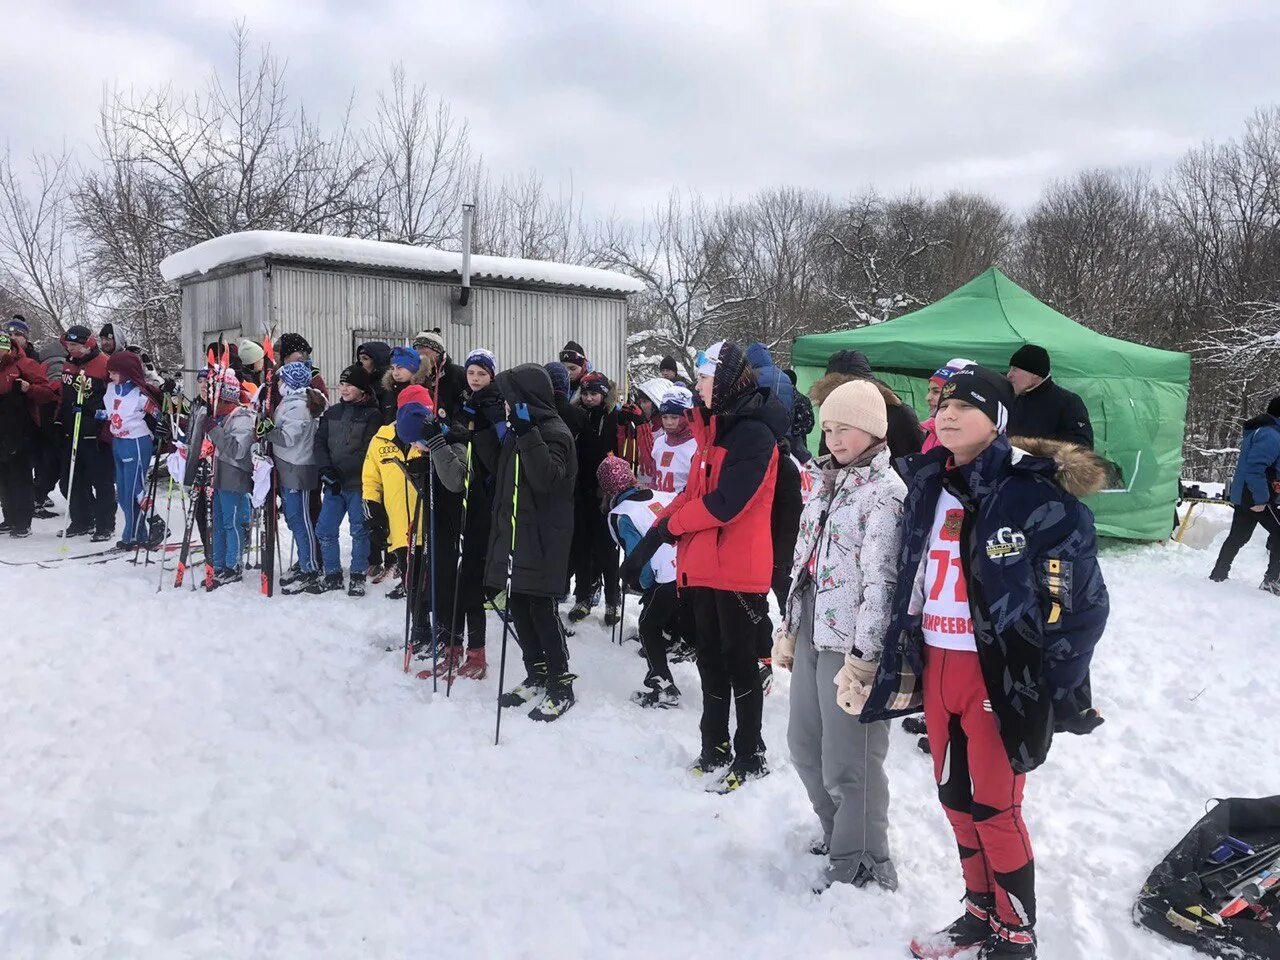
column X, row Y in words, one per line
column 457, row 573
column 168, row 512
column 409, row 570
column 622, row 616
column 506, row 621
column 431, row 572
column 153, row 486
column 75, row 449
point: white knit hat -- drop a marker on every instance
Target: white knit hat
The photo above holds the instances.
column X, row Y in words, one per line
column 857, row 403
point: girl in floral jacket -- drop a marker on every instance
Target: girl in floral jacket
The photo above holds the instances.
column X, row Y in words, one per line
column 844, row 572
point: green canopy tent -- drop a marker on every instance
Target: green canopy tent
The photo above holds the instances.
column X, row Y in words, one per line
column 1136, row 395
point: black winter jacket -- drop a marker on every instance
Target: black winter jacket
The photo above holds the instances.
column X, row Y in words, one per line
column 1051, row 412
column 343, row 437
column 548, row 467
column 597, row 439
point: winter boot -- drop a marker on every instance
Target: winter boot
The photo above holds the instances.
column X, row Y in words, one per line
column 558, row 700
column 915, row 726
column 531, row 688
column 5, row 526
column 302, row 583
column 474, row 667
column 713, row 760
column 581, row 610
column 356, row 587
column 1008, row 943
column 76, row 530
column 397, row 592
column 292, row 575
column 20, row 534
column 44, row 513
column 331, row 581
column 611, row 616
column 230, row 575
column 1219, row 575
column 740, row 772
column 101, row 536
column 662, row 694
column 820, row 847
column 392, row 569
column 449, row 662
column 766, row 675
column 1271, row 586
column 964, row 936
column 880, row 872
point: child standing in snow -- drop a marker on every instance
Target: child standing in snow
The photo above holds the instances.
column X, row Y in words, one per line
column 844, row 572
column 999, row 579
column 292, row 437
column 633, row 511
column 130, row 407
column 342, row 441
column 674, row 447
column 594, row 554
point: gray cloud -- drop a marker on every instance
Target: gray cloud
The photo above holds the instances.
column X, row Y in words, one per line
column 627, row 100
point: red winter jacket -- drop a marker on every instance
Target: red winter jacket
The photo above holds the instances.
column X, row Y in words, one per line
column 17, row 365
column 723, row 516
column 94, row 366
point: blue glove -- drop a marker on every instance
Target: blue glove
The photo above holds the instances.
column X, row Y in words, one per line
column 100, row 415
column 521, row 422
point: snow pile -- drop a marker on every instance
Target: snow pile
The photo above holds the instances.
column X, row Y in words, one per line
column 195, row 775
column 251, row 244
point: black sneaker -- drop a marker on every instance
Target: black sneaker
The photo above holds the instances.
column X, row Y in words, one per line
column 740, row 773
column 5, row 526
column 230, row 575
column 331, row 581
column 531, row 688
column 101, row 536
column 1009, row 943
column 301, row 584
column 44, row 513
column 611, row 615
column 1270, row 586
column 292, row 575
column 558, row 700
column 75, row 531
column 20, row 534
column 662, row 696
column 356, row 587
column 971, row 931
column 45, row 504
column 397, row 592
column 713, row 760
column 579, row 612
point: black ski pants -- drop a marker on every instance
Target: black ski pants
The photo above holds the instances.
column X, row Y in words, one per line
column 93, row 490
column 1244, row 521
column 727, row 624
column 48, row 453
column 660, row 615
column 784, row 523
column 538, row 632
column 16, row 490
column 595, row 555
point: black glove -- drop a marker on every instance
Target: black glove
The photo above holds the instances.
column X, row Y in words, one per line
column 639, row 558
column 168, row 386
column 331, row 480
column 161, row 432
column 458, row 433
column 1080, row 723
column 663, row 530
column 432, row 429
column 417, row 466
column 521, row 421
column 632, row 416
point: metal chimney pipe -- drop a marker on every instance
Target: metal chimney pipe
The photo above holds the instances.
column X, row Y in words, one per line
column 468, row 215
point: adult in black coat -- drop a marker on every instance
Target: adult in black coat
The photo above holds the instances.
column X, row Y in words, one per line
column 535, row 441
column 375, row 357
column 446, row 380
column 1041, row 408
column 905, row 436
column 574, row 416
column 595, row 554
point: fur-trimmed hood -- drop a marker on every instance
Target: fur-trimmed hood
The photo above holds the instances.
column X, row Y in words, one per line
column 610, row 398
column 420, row 378
column 1078, row 470
column 823, row 387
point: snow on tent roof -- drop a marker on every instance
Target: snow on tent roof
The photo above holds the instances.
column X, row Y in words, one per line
column 252, row 244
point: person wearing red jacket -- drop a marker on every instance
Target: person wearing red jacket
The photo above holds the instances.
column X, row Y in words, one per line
column 23, row 388
column 92, row 496
column 724, row 559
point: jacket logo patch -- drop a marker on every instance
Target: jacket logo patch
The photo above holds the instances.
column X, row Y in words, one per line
column 951, row 526
column 1007, row 543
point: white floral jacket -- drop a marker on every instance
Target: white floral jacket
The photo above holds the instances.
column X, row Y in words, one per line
column 850, row 534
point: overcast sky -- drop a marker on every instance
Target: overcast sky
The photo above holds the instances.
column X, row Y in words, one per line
column 626, row 99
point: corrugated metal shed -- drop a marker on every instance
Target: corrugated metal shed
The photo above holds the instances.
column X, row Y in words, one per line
column 338, row 305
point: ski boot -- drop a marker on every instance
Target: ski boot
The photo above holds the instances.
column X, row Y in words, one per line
column 581, row 610
column 611, row 615
column 531, row 688
column 101, row 536
column 662, row 694
column 713, row 760
column 5, row 526
column 740, row 772
column 392, row 569
column 1010, row 943
column 474, row 667
column 448, row 663
column 230, row 575
column 397, row 592
column 292, row 575
column 20, row 534
column 302, row 583
column 356, row 586
column 331, row 581
column 558, row 700
column 962, row 938
column 75, row 530
column 766, row 675
column 156, row 532
column 44, row 513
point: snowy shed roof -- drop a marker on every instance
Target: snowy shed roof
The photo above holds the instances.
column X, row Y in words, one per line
column 254, row 244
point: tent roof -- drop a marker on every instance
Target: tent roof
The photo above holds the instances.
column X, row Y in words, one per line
column 986, row 320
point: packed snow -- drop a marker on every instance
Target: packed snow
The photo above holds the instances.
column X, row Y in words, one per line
column 196, row 775
column 251, row 244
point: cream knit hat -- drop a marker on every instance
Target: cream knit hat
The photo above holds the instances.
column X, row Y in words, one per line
column 857, row 403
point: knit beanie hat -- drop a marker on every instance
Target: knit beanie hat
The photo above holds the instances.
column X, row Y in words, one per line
column 430, row 339
column 858, row 403
column 851, row 362
column 1273, row 408
column 406, row 357
column 668, row 363
column 981, row 388
column 594, row 383
column 229, row 386
column 250, row 352
column 292, row 343
column 411, row 421
column 358, row 377
column 18, row 324
column 677, row 402
column 1031, row 358
column 572, row 352
column 295, row 375
column 734, row 377
column 483, row 358
column 107, row 331
column 559, row 378
column 416, row 393
column 614, row 475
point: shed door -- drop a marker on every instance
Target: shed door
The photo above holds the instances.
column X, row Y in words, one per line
column 393, row 337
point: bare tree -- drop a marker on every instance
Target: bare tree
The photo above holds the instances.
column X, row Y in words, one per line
column 518, row 217
column 37, row 250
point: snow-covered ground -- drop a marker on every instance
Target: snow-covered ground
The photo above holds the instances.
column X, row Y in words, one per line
column 222, row 776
